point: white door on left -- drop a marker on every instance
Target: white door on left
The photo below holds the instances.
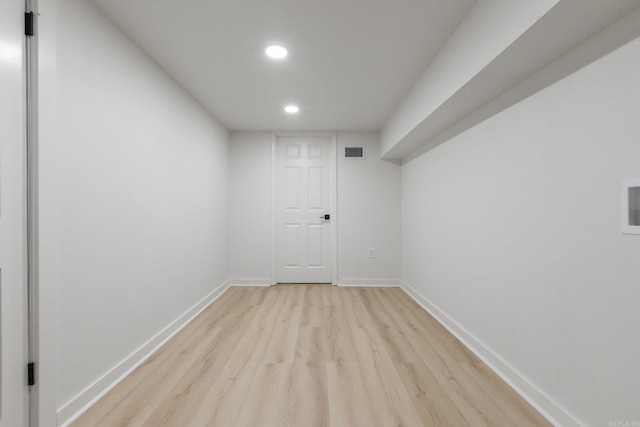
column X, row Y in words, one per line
column 13, row 313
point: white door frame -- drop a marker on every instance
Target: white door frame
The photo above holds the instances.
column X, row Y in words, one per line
column 14, row 352
column 333, row 207
column 43, row 128
column 32, row 196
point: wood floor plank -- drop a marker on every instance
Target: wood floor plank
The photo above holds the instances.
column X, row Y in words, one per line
column 434, row 407
column 156, row 372
column 222, row 403
column 284, row 333
column 255, row 295
column 341, row 347
column 383, row 382
column 394, row 338
column 187, row 394
column 126, row 399
column 307, row 400
column 349, row 404
column 432, row 398
column 312, row 346
column 140, row 405
column 476, row 406
column 436, row 350
column 266, row 398
column 326, row 294
column 335, row 295
column 429, row 326
column 417, row 374
column 313, row 355
column 312, row 312
column 516, row 408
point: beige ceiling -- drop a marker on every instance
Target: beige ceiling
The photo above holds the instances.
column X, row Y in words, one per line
column 351, row 61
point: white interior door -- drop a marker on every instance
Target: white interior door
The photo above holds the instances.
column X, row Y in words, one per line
column 13, row 332
column 304, row 196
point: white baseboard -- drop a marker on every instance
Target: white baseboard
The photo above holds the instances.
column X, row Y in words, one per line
column 70, row 411
column 378, row 283
column 265, row 281
column 341, row 282
column 536, row 398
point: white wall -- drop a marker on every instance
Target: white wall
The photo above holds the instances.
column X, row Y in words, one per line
column 141, row 194
column 368, row 211
column 250, row 207
column 512, row 231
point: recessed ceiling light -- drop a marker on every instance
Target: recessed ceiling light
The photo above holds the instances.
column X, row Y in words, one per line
column 276, row 51
column 291, row 109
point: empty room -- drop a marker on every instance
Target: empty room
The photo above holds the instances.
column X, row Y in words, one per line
column 319, row 213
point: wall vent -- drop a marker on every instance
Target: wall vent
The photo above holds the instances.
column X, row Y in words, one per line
column 631, row 206
column 353, row 152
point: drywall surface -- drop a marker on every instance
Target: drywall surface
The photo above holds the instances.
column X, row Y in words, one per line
column 142, row 234
column 250, row 208
column 368, row 212
column 512, row 229
column 487, row 30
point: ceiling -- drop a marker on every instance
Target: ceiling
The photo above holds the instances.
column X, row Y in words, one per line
column 351, row 62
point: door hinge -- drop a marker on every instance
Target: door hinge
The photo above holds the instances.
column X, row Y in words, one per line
column 31, row 373
column 28, row 23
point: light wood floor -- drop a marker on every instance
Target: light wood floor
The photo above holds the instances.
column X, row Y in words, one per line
column 315, row 355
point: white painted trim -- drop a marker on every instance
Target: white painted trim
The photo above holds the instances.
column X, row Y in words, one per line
column 70, row 411
column 544, row 404
column 374, row 283
column 266, row 281
column 334, row 208
column 44, row 392
column 334, row 200
column 272, row 219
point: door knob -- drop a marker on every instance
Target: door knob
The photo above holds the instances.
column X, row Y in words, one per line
column 326, row 217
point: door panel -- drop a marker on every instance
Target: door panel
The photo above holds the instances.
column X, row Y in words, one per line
column 13, row 324
column 303, row 197
column 315, row 245
column 292, row 188
column 316, row 189
column 292, row 237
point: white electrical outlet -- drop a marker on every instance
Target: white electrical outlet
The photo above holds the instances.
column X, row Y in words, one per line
column 372, row 253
